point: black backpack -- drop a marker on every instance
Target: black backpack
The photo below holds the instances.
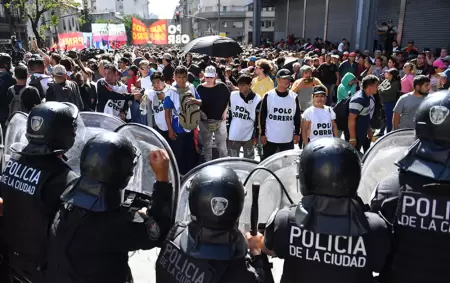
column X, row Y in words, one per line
column 36, row 82
column 341, row 109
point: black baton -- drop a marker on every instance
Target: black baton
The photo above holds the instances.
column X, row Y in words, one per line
column 255, row 209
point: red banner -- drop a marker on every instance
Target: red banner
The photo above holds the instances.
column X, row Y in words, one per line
column 158, row 32
column 139, row 32
column 71, row 40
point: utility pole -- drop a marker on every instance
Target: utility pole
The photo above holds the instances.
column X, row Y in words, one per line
column 218, row 18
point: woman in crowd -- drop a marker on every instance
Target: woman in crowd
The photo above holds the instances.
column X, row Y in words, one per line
column 407, row 79
column 319, row 120
column 187, row 60
column 435, row 78
column 304, row 86
column 389, row 91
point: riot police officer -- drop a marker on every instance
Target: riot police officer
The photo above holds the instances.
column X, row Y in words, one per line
column 32, row 183
column 93, row 233
column 210, row 248
column 328, row 236
column 415, row 200
column 6, row 80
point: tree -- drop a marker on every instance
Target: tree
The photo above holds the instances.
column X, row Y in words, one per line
column 33, row 10
column 86, row 18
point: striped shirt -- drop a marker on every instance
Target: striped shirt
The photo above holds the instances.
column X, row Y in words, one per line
column 363, row 106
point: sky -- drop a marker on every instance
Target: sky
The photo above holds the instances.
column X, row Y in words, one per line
column 163, row 9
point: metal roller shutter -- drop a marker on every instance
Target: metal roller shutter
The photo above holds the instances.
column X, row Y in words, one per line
column 315, row 18
column 341, row 20
column 280, row 24
column 427, row 23
column 295, row 18
column 387, row 10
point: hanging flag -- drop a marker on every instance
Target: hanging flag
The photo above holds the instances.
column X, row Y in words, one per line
column 139, row 32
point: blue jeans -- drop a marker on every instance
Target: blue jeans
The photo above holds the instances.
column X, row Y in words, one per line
column 136, row 116
column 388, row 113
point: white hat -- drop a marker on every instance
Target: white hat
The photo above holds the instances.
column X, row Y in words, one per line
column 210, row 72
column 59, row 70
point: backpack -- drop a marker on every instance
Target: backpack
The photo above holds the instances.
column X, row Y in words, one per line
column 36, row 82
column 189, row 116
column 341, row 109
column 16, row 104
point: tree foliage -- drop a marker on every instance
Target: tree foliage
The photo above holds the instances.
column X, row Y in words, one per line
column 34, row 10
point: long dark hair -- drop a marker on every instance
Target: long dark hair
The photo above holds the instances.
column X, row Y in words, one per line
column 395, row 74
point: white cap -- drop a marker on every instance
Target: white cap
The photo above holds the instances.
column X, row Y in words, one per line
column 59, row 70
column 210, row 72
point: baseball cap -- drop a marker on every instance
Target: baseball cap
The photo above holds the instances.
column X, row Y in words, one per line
column 345, row 53
column 439, row 64
column 353, row 54
column 446, row 59
column 284, row 74
column 319, row 89
column 167, row 56
column 210, row 72
column 252, row 59
column 59, row 70
column 445, row 74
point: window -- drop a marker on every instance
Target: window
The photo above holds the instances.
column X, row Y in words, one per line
column 250, row 23
column 224, row 24
column 64, row 25
column 73, row 22
column 224, row 8
column 250, row 7
column 238, row 24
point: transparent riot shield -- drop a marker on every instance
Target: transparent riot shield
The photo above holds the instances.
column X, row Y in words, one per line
column 15, row 133
column 88, row 125
column 241, row 166
column 379, row 161
column 146, row 139
column 272, row 195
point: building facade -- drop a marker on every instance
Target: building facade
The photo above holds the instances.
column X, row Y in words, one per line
column 11, row 23
column 267, row 24
column 230, row 18
column 425, row 22
column 68, row 22
column 125, row 7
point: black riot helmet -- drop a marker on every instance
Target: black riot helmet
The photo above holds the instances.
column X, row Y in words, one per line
column 53, row 124
column 5, row 61
column 432, row 118
column 108, row 158
column 216, row 197
column 329, row 167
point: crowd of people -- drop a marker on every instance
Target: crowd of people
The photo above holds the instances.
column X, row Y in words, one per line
column 58, row 226
column 264, row 98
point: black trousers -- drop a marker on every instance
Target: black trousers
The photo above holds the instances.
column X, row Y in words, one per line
column 184, row 150
column 271, row 148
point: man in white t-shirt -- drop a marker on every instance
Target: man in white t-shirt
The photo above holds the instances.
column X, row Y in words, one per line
column 319, row 120
column 155, row 98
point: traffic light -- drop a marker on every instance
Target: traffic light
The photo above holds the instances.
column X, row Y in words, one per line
column 177, row 16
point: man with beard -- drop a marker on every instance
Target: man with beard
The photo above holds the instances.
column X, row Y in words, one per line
column 406, row 106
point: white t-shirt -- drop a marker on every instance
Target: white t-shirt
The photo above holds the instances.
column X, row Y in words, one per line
column 158, row 109
column 320, row 119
